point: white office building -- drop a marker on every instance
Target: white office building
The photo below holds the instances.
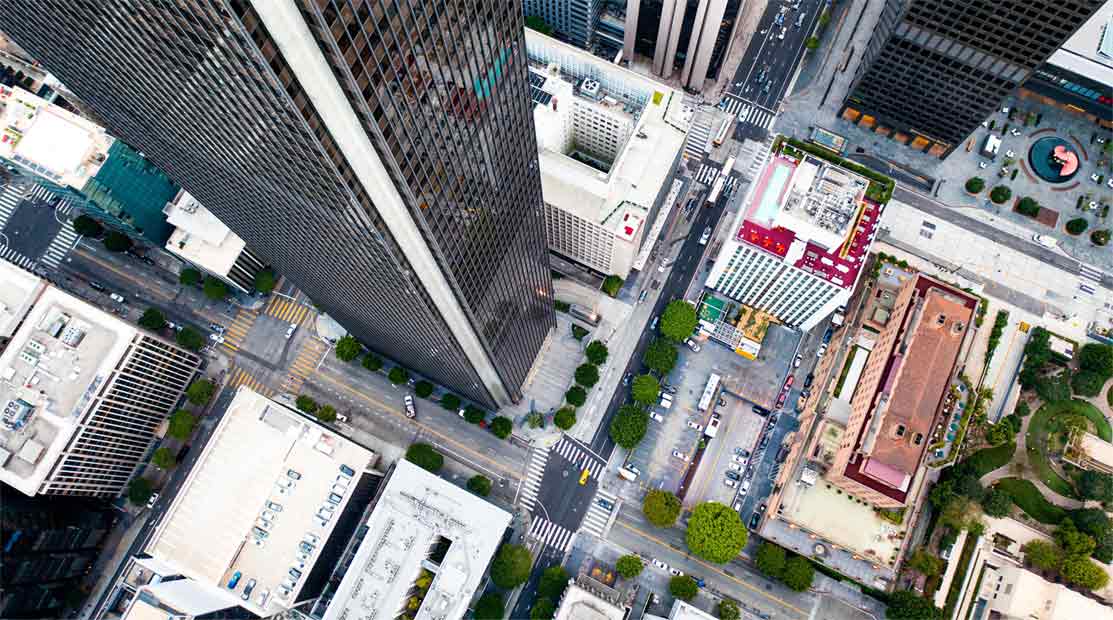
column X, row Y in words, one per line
column 800, row 240
column 81, row 391
column 607, row 141
column 202, row 240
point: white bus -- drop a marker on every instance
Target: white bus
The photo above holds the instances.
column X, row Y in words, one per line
column 717, row 187
column 709, row 392
column 724, row 131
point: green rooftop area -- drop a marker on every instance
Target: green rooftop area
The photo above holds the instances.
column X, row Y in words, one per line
column 711, row 309
column 131, row 191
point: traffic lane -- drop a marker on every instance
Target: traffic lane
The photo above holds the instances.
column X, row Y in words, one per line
column 562, row 499
column 31, row 228
column 762, row 484
column 548, row 557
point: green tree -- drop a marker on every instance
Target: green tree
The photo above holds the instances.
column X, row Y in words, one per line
column 1028, row 206
column 1096, row 358
column 1100, row 237
column 715, row 532
column 490, row 607
column 480, row 485
column 200, row 392
column 565, row 418
column 425, row 456
column 728, row 610
column 265, row 281
column 348, row 348
column 116, row 241
column 678, row 321
column 587, row 375
column 152, row 319
column 661, row 508
column 811, row 43
column 925, row 563
column 501, row 427
column 543, row 609
column 326, row 414
column 629, row 566
column 1077, row 226
column 398, row 375
column 997, row 503
column 450, row 401
column 612, row 285
column 1000, row 194
column 578, row 332
column 576, row 396
column 975, row 185
column 511, row 565
column 139, row 491
column 660, row 356
column 907, row 605
column 534, row 22
column 1087, row 383
column 798, row 574
column 163, row 459
column 214, row 288
column 306, row 404
column 87, row 226
column 190, row 338
column 474, row 415
column 645, row 389
column 770, row 560
column 1073, row 541
column 683, row 587
column 629, row 426
column 373, row 362
column 553, row 582
column 596, row 353
column 181, row 424
column 1084, row 573
column 1022, row 410
column 190, row 277
column 1043, row 555
column 423, row 389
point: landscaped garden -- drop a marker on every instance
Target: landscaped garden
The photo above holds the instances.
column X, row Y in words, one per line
column 1049, row 431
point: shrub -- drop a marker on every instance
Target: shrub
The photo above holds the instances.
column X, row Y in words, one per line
column 907, row 605
column 728, row 610
column 1100, row 237
column 215, row 289
column 683, row 587
column 565, row 418
column 562, row 306
column 1000, row 194
column 629, row 566
column 927, row 564
column 139, row 491
column 1077, row 226
column 152, row 319
column 480, row 485
column 511, row 565
column 372, row 362
column 812, row 44
column 678, row 321
column 327, row 414
column 975, row 185
column 423, row 389
column 200, row 392
column 715, row 532
column 612, row 285
column 587, row 375
column 661, row 508
column 182, row 424
column 629, row 426
column 1043, row 555
column 265, row 281
column 306, row 404
column 425, row 456
column 190, row 277
column 116, row 241
column 596, row 353
column 450, row 401
column 997, row 503
column 578, row 332
column 348, row 348
column 1028, row 206
column 398, row 375
column 163, row 459
column 501, row 427
column 576, row 396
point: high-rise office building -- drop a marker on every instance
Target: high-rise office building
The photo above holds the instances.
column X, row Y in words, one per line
column 689, row 36
column 380, row 155
column 935, row 69
column 571, row 20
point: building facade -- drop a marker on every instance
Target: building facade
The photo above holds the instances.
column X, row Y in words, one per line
column 691, row 37
column 935, row 69
column 203, row 241
column 377, row 155
column 572, row 20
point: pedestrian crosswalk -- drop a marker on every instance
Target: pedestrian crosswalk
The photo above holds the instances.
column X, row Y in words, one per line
column 62, row 243
column 241, row 377
column 551, row 534
column 16, row 258
column 287, row 310
column 732, row 105
column 695, row 145
column 535, row 471
column 758, row 117
column 303, row 365
column 39, row 193
column 63, row 207
column 237, row 331
column 9, row 200
column 579, row 455
column 597, row 517
column 707, row 174
column 1090, row 273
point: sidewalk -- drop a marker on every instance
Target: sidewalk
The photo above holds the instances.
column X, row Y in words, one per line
column 116, row 548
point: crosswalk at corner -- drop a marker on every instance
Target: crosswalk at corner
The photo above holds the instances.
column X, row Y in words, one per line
column 550, row 534
column 16, row 258
column 747, row 112
column 9, row 200
column 597, row 517
column 534, row 472
column 707, row 174
column 695, row 144
column 579, row 455
column 62, row 243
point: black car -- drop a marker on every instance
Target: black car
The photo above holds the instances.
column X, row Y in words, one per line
column 808, row 380
column 96, row 286
column 761, row 411
column 733, row 475
column 827, row 335
column 754, row 520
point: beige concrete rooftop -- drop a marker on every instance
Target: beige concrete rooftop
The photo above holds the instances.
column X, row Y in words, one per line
column 19, row 291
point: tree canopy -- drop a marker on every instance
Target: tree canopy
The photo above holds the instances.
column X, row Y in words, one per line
column 190, row 277
column 426, row 457
column 1096, row 485
column 629, row 566
column 770, row 560
column 597, row 353
column 678, row 321
column 190, row 338
column 587, row 375
column 200, row 392
column 1043, row 555
column 565, row 418
column 661, row 508
column 553, row 582
column 116, row 241
column 214, row 288
column 576, row 396
column 1096, row 358
column 511, row 565
column 925, row 563
column 997, row 503
column 683, row 587
column 423, row 389
column 326, row 413
column 450, row 401
column 307, row 404
column 629, row 426
column 480, row 485
column 715, row 532
column 348, row 348
column 152, row 319
column 490, row 607
column 87, row 226
column 645, row 389
column 728, row 610
column 265, row 281
column 139, row 491
column 798, row 574
column 501, row 427
column 907, row 605
column 660, row 356
column 398, row 375
column 181, row 424
column 543, row 609
column 1084, row 573
column 163, row 458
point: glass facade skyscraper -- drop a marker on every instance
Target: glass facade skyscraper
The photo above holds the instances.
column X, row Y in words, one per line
column 935, row 69
column 379, row 154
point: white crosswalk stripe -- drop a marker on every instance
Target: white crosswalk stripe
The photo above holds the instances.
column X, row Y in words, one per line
column 64, row 207
column 1091, row 273
column 550, row 534
column 731, row 105
column 534, row 472
column 577, row 454
column 707, row 174
column 63, row 242
column 41, row 194
column 9, row 200
column 16, row 258
column 695, row 145
column 760, row 118
column 595, row 521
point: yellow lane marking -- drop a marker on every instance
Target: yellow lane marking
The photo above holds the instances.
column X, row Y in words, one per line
column 716, row 569
column 123, row 274
column 425, row 428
